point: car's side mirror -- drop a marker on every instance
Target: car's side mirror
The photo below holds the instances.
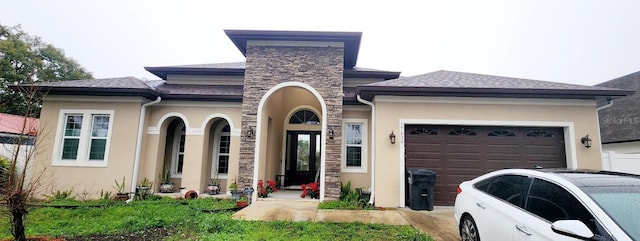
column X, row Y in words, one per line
column 572, row 228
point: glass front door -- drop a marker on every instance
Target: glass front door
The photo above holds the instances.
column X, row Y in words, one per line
column 303, row 157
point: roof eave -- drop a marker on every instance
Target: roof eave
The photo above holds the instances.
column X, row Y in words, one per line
column 191, row 97
column 146, row 93
column 386, row 75
column 162, row 72
column 351, row 40
column 369, row 92
column 621, row 141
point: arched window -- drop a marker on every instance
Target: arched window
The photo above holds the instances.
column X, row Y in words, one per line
column 221, row 144
column 177, row 160
column 305, row 117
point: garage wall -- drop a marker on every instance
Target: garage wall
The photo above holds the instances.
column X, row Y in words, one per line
column 578, row 117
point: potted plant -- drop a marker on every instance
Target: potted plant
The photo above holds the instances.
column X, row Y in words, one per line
column 235, row 194
column 312, row 190
column 120, row 194
column 214, row 187
column 263, row 191
column 242, row 202
column 166, row 186
column 143, row 190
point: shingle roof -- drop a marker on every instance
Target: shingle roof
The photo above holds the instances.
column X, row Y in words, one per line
column 13, row 124
column 237, row 68
column 228, row 65
column 128, row 82
column 450, row 83
column 201, row 92
column 451, row 79
column 124, row 86
column 441, row 83
column 238, row 65
column 621, row 121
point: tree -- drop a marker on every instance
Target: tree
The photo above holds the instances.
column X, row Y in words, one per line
column 17, row 182
column 25, row 60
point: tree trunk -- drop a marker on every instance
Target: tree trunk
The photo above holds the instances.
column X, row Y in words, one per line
column 18, row 209
column 18, row 224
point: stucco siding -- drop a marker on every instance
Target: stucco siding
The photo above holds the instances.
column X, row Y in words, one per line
column 88, row 181
column 198, row 120
column 362, row 180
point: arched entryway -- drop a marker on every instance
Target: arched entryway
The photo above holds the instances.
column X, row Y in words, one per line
column 218, row 153
column 197, row 157
column 291, row 135
column 174, row 149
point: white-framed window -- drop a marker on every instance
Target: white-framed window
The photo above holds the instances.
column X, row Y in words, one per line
column 354, row 146
column 221, row 145
column 177, row 158
column 82, row 138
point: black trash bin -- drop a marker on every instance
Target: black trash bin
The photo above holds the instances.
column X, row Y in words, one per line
column 421, row 184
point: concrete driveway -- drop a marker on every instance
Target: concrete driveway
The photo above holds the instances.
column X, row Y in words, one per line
column 439, row 223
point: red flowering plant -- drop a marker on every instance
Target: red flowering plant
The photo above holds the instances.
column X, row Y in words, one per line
column 311, row 189
column 263, row 191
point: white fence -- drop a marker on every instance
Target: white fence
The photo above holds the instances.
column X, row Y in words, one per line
column 629, row 163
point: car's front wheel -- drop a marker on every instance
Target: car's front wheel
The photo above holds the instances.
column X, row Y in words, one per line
column 468, row 229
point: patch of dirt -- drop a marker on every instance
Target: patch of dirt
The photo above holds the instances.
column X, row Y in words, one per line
column 160, row 233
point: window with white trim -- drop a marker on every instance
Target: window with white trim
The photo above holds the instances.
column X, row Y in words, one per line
column 221, row 146
column 83, row 138
column 354, row 150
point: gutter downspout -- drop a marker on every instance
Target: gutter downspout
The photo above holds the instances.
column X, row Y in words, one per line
column 373, row 140
column 136, row 160
column 604, row 106
column 598, row 118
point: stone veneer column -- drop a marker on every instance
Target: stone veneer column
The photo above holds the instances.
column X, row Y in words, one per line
column 321, row 68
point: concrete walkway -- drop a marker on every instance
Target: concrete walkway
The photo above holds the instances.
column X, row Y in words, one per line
column 439, row 223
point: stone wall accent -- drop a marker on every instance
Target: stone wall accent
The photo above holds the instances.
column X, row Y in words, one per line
column 321, row 68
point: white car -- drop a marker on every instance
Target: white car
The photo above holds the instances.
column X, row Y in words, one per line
column 549, row 204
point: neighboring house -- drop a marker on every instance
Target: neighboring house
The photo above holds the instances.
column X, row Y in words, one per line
column 298, row 107
column 620, row 122
column 13, row 127
column 16, row 129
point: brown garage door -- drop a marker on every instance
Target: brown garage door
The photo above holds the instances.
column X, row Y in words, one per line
column 459, row 153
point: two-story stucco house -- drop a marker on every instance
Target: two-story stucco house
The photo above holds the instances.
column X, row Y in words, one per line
column 299, row 108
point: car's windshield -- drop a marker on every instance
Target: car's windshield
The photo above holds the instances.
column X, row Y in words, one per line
column 622, row 204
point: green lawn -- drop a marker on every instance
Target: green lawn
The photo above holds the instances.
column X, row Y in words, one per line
column 192, row 220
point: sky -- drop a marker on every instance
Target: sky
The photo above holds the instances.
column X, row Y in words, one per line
column 582, row 42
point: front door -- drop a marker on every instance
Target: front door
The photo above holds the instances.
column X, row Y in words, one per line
column 303, row 157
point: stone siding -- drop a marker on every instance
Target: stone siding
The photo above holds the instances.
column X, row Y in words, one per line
column 321, row 68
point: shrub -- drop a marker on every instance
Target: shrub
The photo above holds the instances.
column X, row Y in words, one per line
column 352, row 199
column 5, row 165
column 60, row 195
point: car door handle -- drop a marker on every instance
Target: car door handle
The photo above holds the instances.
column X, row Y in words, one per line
column 523, row 229
column 481, row 205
